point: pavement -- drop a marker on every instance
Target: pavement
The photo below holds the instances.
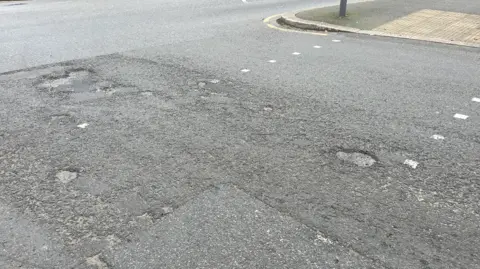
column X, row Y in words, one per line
column 232, row 144
column 425, row 20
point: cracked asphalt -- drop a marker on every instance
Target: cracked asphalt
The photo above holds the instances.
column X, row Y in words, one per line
column 159, row 152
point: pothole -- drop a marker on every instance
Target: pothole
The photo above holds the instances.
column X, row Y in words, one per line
column 158, row 211
column 75, row 80
column 81, row 83
column 210, row 86
column 62, row 119
column 268, row 108
column 65, row 176
column 97, row 262
column 359, row 158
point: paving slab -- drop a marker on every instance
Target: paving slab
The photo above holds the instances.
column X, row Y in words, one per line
column 367, row 15
column 427, row 23
column 444, row 22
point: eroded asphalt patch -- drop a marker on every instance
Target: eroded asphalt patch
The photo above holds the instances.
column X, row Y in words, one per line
column 160, row 136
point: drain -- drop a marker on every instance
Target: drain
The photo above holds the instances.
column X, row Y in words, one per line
column 359, row 158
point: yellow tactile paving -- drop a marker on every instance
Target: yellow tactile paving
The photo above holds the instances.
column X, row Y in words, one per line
column 436, row 24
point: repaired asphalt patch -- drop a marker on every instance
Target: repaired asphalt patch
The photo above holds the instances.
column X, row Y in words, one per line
column 226, row 228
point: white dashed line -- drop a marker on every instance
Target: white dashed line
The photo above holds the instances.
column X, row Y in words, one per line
column 413, row 164
column 272, row 61
column 336, row 40
column 268, row 108
column 296, row 53
column 475, row 99
column 245, row 70
column 317, row 47
column 83, row 125
column 437, row 137
column 460, row 116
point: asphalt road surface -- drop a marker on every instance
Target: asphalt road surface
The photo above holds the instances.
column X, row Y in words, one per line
column 188, row 134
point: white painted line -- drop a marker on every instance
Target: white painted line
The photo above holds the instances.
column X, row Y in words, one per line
column 296, row 53
column 437, row 137
column 272, row 61
column 268, row 108
column 336, row 40
column 317, row 47
column 475, row 99
column 146, row 93
column 245, row 70
column 411, row 163
column 460, row 116
column 83, row 125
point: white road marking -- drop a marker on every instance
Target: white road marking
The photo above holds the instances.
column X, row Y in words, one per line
column 437, row 137
column 245, row 70
column 413, row 164
column 317, row 47
column 245, row 1
column 475, row 99
column 147, row 93
column 336, row 40
column 83, row 125
column 272, row 61
column 268, row 108
column 214, row 81
column 296, row 53
column 460, row 116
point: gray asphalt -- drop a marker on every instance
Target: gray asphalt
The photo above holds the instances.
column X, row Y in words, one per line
column 49, row 31
column 187, row 162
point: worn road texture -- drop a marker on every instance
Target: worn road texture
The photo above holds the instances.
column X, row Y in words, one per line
column 171, row 157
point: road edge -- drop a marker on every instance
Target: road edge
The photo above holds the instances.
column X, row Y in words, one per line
column 290, row 19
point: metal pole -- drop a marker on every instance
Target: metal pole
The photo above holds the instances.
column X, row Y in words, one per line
column 343, row 8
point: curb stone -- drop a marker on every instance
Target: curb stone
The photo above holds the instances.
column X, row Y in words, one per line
column 291, row 20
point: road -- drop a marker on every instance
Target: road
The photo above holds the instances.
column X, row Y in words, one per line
column 180, row 134
column 49, row 31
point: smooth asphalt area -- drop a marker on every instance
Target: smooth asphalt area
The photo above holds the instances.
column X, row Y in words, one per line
column 193, row 135
column 48, row 31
